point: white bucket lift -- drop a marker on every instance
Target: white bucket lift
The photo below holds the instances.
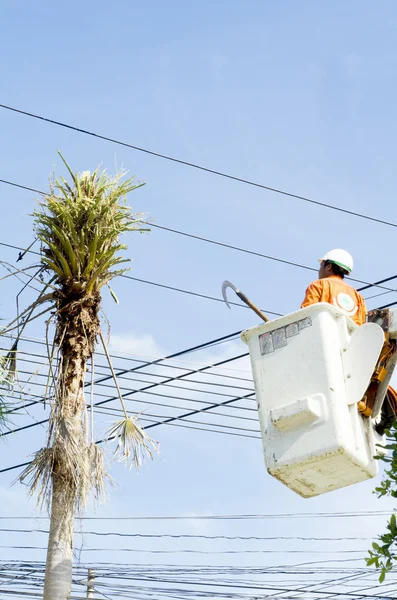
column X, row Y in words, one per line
column 310, row 370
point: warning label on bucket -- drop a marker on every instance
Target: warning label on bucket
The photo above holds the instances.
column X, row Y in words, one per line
column 273, row 340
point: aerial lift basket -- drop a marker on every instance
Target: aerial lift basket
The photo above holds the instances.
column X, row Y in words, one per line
column 310, row 369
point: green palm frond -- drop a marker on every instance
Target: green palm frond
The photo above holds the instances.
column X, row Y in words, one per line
column 79, row 225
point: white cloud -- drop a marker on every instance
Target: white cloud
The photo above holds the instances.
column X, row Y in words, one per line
column 130, row 343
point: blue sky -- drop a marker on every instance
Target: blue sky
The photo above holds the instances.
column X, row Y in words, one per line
column 299, row 96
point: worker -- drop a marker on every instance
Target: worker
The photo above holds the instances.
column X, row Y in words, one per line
column 330, row 287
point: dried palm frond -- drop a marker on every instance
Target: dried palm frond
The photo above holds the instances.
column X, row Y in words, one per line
column 8, row 376
column 25, row 317
column 83, row 467
column 100, row 479
column 133, row 441
column 39, row 476
column 133, row 445
column 8, row 366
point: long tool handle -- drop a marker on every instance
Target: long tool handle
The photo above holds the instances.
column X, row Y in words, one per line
column 248, row 302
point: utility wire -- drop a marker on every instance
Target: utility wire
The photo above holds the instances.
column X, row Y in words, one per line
column 165, row 421
column 152, row 403
column 199, row 167
column 155, row 385
column 169, row 420
column 217, row 243
column 161, row 359
column 185, row 424
column 261, row 586
column 173, row 288
column 166, row 396
column 231, row 517
column 206, row 297
column 189, row 551
column 197, row 536
column 106, row 368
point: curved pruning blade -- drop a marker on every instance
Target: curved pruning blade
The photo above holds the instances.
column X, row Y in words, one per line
column 225, row 285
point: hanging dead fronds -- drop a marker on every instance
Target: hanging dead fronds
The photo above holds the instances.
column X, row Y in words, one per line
column 38, row 476
column 133, row 443
column 81, row 466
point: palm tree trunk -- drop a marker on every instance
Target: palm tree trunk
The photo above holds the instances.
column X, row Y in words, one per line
column 70, row 471
column 58, row 576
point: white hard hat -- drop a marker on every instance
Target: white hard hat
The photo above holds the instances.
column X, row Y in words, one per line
column 339, row 257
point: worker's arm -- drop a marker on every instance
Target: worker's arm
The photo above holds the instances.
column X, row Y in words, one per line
column 392, row 397
column 362, row 311
column 313, row 294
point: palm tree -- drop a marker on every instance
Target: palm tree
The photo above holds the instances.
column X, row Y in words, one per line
column 79, row 224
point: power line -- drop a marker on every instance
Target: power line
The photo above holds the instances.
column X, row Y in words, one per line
column 160, row 359
column 261, row 586
column 116, row 569
column 123, row 375
column 173, row 288
column 155, row 385
column 190, row 551
column 199, row 167
column 231, row 517
column 153, row 576
column 387, row 305
column 217, row 243
column 150, row 404
column 186, row 425
column 166, row 396
column 144, row 365
column 232, row 247
column 148, row 373
column 110, row 574
column 18, row 248
column 171, row 419
column 184, row 415
column 197, row 536
column 163, row 422
column 280, row 260
column 206, row 297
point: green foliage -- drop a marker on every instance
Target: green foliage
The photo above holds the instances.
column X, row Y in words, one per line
column 384, row 553
column 79, row 225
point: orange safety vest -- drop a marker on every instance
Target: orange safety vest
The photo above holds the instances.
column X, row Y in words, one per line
column 338, row 293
